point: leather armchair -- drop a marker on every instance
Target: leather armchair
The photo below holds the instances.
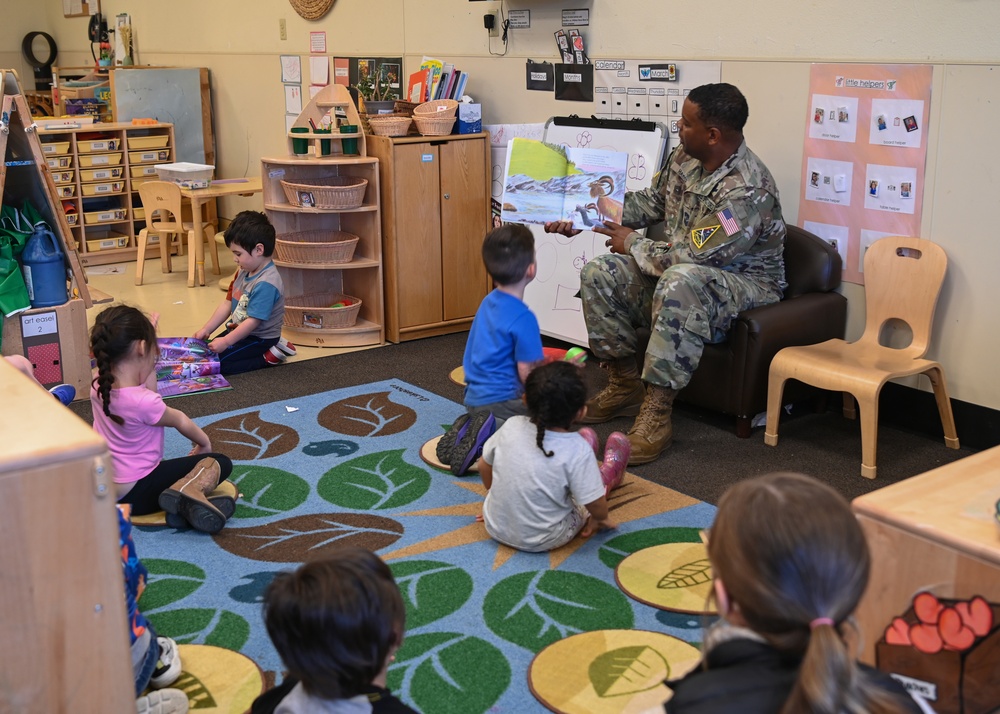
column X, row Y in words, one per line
column 732, row 375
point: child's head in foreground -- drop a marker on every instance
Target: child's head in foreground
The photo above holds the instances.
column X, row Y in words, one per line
column 508, row 252
column 335, row 621
column 555, row 396
column 250, row 229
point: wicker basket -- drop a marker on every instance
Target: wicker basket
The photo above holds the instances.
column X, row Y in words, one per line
column 314, row 311
column 434, row 126
column 329, row 246
column 404, row 108
column 389, row 124
column 331, row 192
column 437, row 108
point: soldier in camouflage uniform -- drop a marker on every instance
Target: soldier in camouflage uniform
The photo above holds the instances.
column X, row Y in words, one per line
column 725, row 234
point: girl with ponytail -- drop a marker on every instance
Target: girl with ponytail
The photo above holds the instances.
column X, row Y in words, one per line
column 131, row 416
column 790, row 564
column 543, row 481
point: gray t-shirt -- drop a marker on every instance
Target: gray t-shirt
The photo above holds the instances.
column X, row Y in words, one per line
column 532, row 494
column 260, row 296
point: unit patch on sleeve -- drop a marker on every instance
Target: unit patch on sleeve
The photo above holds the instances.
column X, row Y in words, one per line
column 701, row 236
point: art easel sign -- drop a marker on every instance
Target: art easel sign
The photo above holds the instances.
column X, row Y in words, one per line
column 865, row 149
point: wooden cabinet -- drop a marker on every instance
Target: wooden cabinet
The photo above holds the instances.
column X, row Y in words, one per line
column 435, row 213
column 360, row 278
column 97, row 171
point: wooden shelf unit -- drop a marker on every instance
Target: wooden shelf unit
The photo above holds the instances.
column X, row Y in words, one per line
column 436, row 212
column 99, row 178
column 360, row 278
column 335, row 100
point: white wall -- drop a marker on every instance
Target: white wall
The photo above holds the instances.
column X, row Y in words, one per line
column 766, row 50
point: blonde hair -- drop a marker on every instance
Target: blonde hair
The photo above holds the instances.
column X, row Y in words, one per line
column 793, row 558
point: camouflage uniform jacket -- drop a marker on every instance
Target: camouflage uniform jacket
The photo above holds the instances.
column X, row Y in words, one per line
column 730, row 219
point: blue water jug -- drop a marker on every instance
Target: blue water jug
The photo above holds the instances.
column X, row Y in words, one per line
column 44, row 267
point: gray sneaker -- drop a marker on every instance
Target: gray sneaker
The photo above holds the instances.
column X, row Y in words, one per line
column 162, row 701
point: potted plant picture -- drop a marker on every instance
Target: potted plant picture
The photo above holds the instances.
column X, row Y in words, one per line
column 375, row 87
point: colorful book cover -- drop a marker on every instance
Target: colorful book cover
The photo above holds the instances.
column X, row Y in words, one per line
column 417, row 89
column 186, row 366
column 549, row 182
column 435, row 66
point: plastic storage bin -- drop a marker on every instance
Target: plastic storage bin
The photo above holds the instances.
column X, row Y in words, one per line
column 187, row 174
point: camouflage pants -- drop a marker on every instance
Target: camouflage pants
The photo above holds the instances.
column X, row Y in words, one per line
column 683, row 309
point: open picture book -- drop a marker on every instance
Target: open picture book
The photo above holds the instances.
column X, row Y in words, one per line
column 186, row 366
column 550, row 182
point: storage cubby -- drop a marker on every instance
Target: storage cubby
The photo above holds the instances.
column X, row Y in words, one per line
column 361, row 277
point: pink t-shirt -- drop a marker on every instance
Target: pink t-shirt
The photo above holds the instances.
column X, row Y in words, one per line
column 136, row 446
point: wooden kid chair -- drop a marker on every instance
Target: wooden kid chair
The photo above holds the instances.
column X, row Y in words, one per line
column 162, row 201
column 903, row 278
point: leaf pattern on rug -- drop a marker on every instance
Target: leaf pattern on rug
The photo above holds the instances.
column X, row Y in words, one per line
column 627, row 670
column 246, row 437
column 431, row 589
column 202, row 626
column 378, row 481
column 449, row 672
column 292, row 540
column 267, row 492
column 367, row 415
column 535, row 609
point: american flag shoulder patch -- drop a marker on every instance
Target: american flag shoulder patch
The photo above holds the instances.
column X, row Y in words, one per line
column 729, row 224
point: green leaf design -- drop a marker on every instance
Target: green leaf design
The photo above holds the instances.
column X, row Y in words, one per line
column 197, row 693
column 627, row 670
column 697, row 572
column 267, row 491
column 376, row 481
column 614, row 551
column 449, row 672
column 431, row 590
column 169, row 581
column 202, row 626
column 535, row 609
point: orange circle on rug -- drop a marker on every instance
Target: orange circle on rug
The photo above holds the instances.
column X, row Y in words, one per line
column 672, row 576
column 457, row 376
column 226, row 488
column 428, row 452
column 609, row 671
column 218, row 680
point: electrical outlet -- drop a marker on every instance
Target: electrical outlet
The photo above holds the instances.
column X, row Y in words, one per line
column 495, row 30
column 282, row 29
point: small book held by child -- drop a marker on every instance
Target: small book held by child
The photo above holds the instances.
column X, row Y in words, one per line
column 186, row 366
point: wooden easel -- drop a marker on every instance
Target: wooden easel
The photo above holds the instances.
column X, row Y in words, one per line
column 22, row 151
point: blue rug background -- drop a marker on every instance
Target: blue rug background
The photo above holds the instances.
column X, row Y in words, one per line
column 344, row 467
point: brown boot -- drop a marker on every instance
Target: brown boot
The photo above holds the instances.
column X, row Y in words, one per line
column 622, row 397
column 188, row 497
column 653, row 430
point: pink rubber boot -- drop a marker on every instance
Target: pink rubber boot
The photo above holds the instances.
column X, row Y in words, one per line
column 591, row 438
column 616, row 454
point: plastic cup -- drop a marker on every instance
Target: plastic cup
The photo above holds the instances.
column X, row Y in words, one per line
column 350, row 145
column 325, row 147
column 300, row 146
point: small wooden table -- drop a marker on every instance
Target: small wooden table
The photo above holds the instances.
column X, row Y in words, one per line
column 199, row 196
column 935, row 532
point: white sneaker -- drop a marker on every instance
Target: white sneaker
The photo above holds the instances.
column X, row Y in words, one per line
column 168, row 668
column 287, row 347
column 162, row 701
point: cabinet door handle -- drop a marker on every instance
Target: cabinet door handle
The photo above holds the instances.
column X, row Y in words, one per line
column 447, row 195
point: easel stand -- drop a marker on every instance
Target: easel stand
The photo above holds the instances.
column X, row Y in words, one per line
column 53, row 338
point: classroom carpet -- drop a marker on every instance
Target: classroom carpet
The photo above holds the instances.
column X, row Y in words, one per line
column 343, row 468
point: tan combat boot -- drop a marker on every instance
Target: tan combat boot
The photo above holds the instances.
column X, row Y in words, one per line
column 622, row 397
column 653, row 430
column 188, row 497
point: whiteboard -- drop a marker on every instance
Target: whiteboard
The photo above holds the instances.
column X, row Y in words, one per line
column 167, row 95
column 552, row 295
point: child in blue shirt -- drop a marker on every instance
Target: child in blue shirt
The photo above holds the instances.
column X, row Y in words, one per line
column 254, row 307
column 504, row 343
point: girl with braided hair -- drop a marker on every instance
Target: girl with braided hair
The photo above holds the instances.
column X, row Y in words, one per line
column 790, row 564
column 131, row 416
column 543, row 481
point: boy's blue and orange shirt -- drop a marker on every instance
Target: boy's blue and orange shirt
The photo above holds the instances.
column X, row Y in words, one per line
column 135, row 575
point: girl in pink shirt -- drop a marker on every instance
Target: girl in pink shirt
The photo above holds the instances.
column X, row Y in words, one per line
column 131, row 416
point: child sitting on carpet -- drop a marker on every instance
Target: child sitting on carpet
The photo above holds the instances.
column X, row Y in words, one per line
column 337, row 623
column 790, row 563
column 504, row 342
column 131, row 416
column 537, row 472
column 254, row 306
column 155, row 661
